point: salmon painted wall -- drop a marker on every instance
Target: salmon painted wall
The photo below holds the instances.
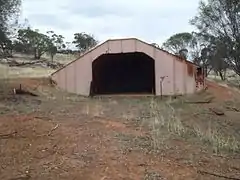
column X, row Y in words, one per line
column 190, row 79
column 76, row 76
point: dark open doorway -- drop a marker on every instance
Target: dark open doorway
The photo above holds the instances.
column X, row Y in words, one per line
column 123, row 73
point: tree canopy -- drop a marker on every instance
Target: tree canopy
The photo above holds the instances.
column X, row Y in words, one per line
column 179, row 43
column 218, row 21
column 84, row 41
column 33, row 42
column 8, row 9
column 216, row 43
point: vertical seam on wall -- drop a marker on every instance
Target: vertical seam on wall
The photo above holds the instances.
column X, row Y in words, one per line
column 185, row 77
column 135, row 43
column 121, row 46
column 75, row 77
column 91, row 72
column 154, row 58
column 108, row 46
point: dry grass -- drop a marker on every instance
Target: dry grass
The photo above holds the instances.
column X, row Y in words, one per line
column 160, row 128
column 231, row 78
column 64, row 58
column 166, row 120
column 165, row 123
column 13, row 72
column 93, row 109
column 129, row 115
column 4, row 86
column 217, row 140
column 151, row 175
column 162, row 117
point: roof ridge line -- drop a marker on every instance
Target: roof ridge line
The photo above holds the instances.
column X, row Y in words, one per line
column 92, row 49
column 88, row 51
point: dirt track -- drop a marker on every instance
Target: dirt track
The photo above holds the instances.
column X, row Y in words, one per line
column 50, row 139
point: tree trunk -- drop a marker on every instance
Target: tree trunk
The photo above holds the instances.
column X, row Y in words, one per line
column 52, row 56
column 222, row 76
column 37, row 54
column 205, row 71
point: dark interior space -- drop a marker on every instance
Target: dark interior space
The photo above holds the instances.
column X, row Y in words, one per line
column 123, row 73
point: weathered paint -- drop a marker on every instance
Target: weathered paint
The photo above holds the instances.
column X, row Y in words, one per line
column 76, row 76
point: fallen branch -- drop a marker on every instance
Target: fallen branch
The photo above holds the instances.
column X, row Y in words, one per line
column 17, row 64
column 217, row 175
column 53, row 65
column 53, row 129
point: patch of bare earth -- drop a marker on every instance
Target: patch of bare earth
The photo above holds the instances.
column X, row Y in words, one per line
column 71, row 137
column 40, row 149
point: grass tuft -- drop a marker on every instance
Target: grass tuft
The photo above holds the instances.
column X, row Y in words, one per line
column 93, row 109
column 165, row 123
column 217, row 140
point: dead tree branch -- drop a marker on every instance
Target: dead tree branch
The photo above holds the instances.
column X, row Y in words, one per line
column 217, row 175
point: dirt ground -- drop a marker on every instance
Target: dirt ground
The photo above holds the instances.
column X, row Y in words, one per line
column 64, row 136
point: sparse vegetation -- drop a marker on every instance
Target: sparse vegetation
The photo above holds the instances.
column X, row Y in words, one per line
column 218, row 141
column 58, row 135
column 152, row 130
column 165, row 123
column 218, row 24
column 151, row 175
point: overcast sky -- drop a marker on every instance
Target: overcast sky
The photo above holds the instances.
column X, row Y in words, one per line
column 149, row 20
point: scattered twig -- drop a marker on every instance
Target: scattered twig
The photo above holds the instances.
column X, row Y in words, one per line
column 203, row 101
column 9, row 135
column 217, row 175
column 200, row 113
column 53, row 129
column 217, row 111
column 233, row 109
column 42, row 117
column 24, row 177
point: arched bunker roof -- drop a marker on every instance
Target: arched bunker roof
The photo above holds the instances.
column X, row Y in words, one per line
column 89, row 51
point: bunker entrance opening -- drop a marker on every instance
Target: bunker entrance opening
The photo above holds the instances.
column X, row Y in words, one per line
column 123, row 73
